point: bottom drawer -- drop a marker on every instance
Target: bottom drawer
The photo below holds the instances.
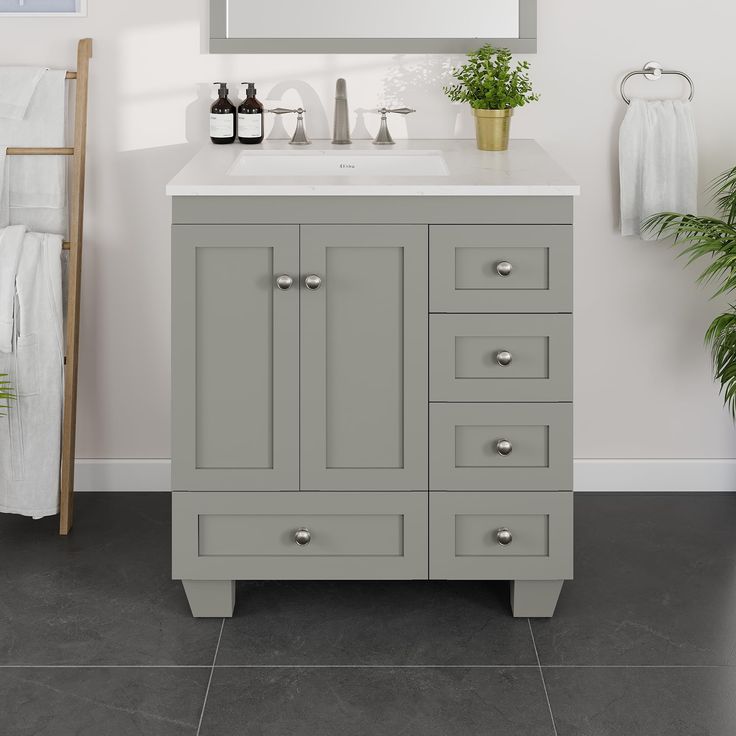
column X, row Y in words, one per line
column 299, row 536
column 500, row 536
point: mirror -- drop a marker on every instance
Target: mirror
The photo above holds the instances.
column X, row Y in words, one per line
column 384, row 26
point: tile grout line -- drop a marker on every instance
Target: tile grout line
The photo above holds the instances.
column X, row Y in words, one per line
column 367, row 666
column 209, row 681
column 541, row 674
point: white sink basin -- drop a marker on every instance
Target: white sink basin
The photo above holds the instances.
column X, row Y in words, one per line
column 339, row 163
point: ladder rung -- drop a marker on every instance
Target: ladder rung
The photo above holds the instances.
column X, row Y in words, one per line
column 66, row 245
column 66, row 151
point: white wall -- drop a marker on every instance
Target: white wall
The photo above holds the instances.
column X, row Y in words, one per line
column 643, row 384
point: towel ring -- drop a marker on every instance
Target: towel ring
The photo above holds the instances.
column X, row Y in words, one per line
column 652, row 70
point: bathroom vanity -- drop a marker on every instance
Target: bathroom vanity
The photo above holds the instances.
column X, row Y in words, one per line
column 372, row 368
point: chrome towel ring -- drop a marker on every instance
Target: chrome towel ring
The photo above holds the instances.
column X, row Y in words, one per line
column 652, row 70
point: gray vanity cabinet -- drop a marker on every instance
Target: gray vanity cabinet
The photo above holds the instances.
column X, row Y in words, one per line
column 372, row 401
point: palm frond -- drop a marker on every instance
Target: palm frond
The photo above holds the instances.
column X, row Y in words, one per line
column 6, row 392
column 701, row 237
column 723, row 189
column 721, row 337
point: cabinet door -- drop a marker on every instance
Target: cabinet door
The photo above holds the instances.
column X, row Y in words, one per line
column 235, row 358
column 364, row 358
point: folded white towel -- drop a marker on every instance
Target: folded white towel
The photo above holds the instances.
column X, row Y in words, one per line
column 658, row 159
column 17, row 85
column 34, row 187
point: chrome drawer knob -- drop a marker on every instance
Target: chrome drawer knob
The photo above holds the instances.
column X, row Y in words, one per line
column 284, row 282
column 504, row 536
column 504, row 268
column 303, row 537
column 504, row 358
column 313, row 282
column 504, row 447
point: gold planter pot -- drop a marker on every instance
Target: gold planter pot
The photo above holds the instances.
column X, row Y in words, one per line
column 492, row 128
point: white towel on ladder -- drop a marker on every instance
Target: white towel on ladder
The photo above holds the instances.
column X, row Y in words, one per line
column 30, row 433
column 17, row 85
column 33, row 191
column 658, row 159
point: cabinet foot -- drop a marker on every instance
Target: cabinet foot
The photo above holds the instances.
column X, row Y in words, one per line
column 210, row 598
column 535, row 598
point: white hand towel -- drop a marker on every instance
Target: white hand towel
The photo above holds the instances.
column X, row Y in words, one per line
column 11, row 242
column 17, row 85
column 658, row 159
column 34, row 187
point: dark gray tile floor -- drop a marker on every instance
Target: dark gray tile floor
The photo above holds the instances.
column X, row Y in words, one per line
column 96, row 639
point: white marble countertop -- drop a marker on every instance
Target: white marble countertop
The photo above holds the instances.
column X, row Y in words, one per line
column 524, row 170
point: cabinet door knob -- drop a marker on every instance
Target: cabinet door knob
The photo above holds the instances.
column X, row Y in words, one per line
column 284, row 282
column 504, row 447
column 504, row 536
column 313, row 282
column 504, row 358
column 303, row 537
column 504, row 268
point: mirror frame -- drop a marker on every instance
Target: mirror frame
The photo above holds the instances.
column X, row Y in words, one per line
column 221, row 44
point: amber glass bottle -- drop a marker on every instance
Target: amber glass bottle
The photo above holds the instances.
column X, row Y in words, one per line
column 223, row 118
column 250, row 117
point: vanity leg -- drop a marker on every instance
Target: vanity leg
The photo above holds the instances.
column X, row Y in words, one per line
column 535, row 598
column 210, row 598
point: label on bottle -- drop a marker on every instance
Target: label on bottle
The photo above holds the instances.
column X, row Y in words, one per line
column 222, row 126
column 250, row 125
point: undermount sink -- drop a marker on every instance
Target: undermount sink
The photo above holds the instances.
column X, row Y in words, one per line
column 339, row 163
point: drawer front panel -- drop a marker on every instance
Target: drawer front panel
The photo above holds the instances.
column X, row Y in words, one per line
column 516, row 357
column 464, row 530
column 466, row 447
column 466, row 274
column 252, row 536
column 332, row 535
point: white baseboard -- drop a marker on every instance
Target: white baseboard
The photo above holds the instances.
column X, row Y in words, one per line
column 590, row 475
column 655, row 475
column 122, row 475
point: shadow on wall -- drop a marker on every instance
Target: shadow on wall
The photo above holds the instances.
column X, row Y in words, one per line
column 412, row 78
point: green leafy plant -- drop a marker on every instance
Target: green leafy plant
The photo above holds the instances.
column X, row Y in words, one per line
column 488, row 82
column 713, row 238
column 6, row 392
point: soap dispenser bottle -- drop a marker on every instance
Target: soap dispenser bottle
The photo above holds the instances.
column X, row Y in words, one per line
column 250, row 117
column 222, row 117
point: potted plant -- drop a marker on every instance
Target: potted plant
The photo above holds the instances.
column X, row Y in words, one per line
column 713, row 238
column 493, row 88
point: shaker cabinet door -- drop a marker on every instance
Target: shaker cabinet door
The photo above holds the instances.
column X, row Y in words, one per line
column 364, row 381
column 235, row 358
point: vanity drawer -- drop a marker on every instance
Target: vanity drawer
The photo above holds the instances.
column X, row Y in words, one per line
column 500, row 268
column 467, row 450
column 519, row 357
column 252, row 536
column 465, row 529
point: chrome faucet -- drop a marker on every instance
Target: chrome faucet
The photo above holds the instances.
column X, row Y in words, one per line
column 384, row 137
column 341, row 131
column 300, row 134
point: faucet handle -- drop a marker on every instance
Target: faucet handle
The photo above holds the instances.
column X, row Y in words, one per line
column 300, row 134
column 397, row 110
column 384, row 137
column 285, row 110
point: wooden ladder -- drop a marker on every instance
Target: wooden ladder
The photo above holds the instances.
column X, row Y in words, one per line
column 74, row 272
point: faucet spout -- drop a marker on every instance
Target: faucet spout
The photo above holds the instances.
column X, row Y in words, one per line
column 341, row 131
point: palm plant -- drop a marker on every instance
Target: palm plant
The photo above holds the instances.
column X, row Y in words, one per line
column 713, row 238
column 6, row 393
